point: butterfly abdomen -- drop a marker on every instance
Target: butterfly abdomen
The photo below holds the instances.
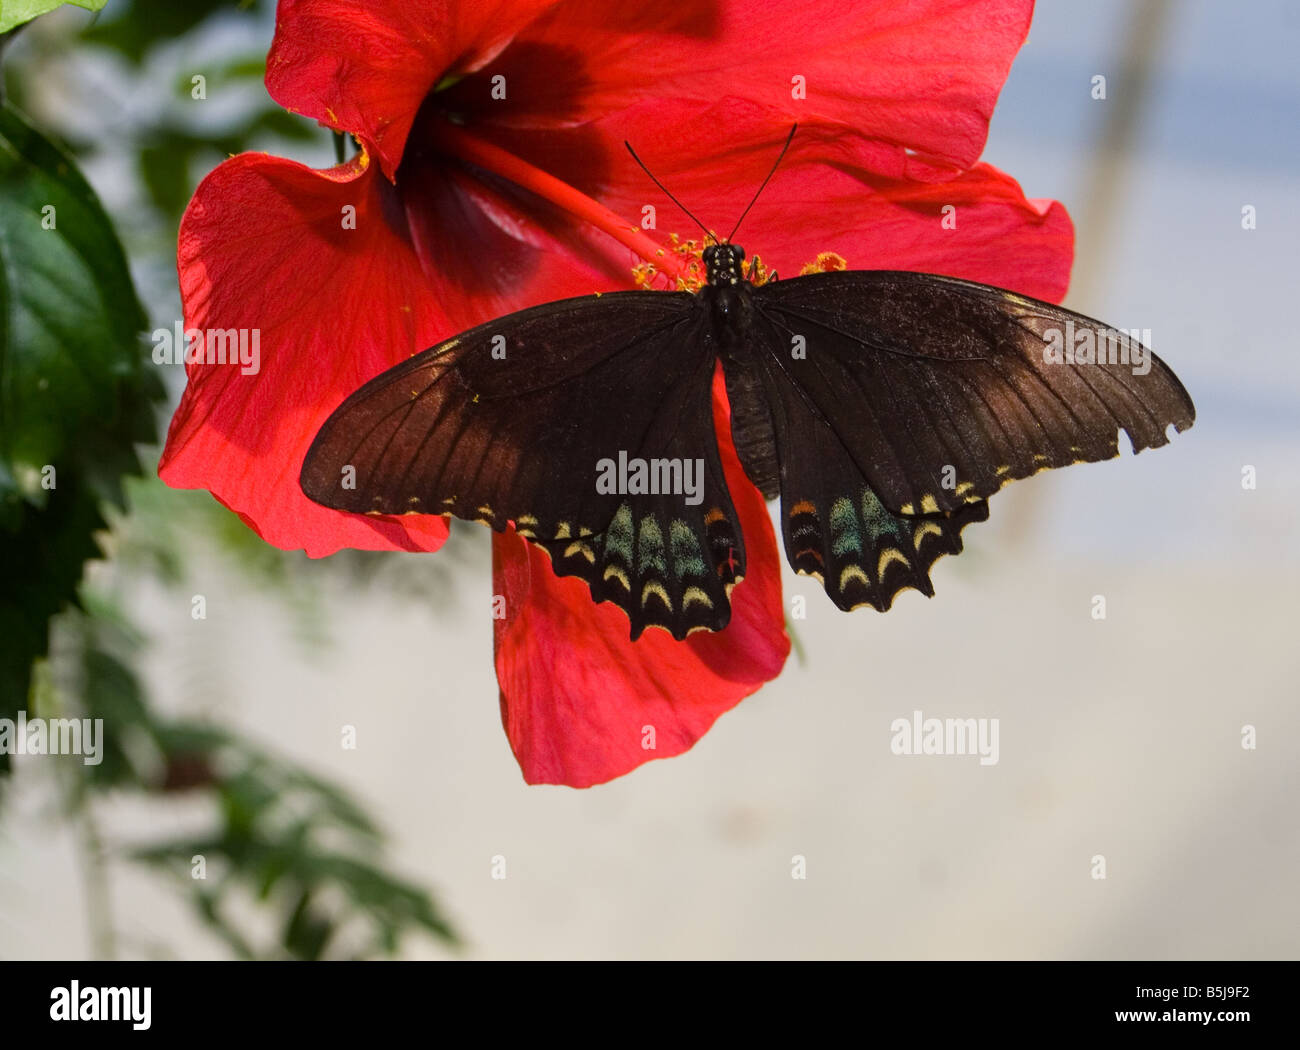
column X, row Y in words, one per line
column 751, row 425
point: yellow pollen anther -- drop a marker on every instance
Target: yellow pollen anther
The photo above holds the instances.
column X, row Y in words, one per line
column 826, row 262
column 692, row 256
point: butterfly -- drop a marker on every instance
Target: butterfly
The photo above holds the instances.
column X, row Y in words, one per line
column 883, row 408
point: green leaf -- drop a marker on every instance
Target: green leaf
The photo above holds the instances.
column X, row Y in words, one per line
column 307, row 931
column 70, row 324
column 16, row 12
column 76, row 387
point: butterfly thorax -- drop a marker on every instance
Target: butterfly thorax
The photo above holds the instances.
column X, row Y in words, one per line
column 722, row 265
column 727, row 293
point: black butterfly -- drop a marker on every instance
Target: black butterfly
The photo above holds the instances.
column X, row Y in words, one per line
column 882, row 407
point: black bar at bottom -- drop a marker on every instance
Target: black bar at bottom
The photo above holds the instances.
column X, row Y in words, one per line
column 557, row 1000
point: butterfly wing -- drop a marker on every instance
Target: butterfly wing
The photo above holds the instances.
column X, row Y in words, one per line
column 515, row 421
column 942, row 390
column 834, row 525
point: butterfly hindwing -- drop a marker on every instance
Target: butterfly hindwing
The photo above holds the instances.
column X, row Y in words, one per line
column 666, row 562
column 519, row 419
column 834, row 526
column 864, row 553
column 942, row 390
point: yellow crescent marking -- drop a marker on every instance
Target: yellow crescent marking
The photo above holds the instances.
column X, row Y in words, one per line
column 907, row 510
column 413, row 500
column 655, row 587
column 1002, row 470
column 487, row 511
column 926, row 528
column 929, row 505
column 525, row 519
column 564, row 531
column 580, row 548
column 888, row 555
column 853, row 572
column 614, row 572
column 964, row 488
column 694, row 594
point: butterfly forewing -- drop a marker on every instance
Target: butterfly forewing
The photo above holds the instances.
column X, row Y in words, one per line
column 513, row 422
column 942, row 390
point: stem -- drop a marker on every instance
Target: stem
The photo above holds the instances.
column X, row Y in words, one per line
column 464, row 145
column 796, row 643
column 95, row 878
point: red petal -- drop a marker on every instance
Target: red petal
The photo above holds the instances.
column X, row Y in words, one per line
column 820, row 200
column 577, row 696
column 366, row 67
column 262, row 247
column 882, row 77
column 491, row 248
column 1000, row 237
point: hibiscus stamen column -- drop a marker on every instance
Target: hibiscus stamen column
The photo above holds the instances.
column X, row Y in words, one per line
column 462, row 144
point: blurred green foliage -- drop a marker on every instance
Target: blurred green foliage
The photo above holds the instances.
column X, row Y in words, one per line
column 134, row 26
column 78, row 393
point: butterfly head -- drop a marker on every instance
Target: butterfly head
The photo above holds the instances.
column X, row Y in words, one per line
column 722, row 263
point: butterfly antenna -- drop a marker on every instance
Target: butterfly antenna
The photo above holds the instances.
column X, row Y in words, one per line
column 665, row 190
column 788, row 139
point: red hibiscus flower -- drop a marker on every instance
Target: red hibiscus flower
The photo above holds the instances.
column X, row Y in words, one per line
column 492, row 177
